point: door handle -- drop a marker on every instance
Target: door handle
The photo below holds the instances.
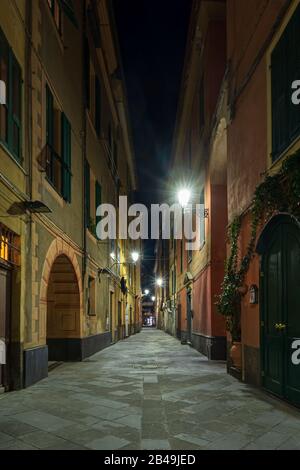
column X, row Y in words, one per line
column 280, row 326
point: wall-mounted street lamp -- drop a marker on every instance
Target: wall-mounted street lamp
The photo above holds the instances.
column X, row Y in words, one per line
column 147, row 292
column 184, row 197
column 108, row 270
column 33, row 207
column 159, row 282
column 135, row 256
column 153, row 298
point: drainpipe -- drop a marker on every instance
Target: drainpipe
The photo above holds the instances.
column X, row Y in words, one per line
column 84, row 30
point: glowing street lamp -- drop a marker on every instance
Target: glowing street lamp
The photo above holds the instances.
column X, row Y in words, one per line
column 153, row 298
column 135, row 256
column 184, row 196
column 147, row 292
column 159, row 282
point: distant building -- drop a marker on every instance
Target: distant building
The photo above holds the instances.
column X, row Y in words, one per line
column 148, row 313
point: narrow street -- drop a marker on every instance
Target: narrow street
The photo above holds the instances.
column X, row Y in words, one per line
column 147, row 392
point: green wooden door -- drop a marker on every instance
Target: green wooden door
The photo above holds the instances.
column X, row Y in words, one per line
column 281, row 311
column 292, row 312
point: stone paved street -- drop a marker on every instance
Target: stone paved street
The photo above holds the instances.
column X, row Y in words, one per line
column 147, row 392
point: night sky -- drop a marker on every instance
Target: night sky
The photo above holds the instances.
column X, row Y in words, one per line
column 152, row 36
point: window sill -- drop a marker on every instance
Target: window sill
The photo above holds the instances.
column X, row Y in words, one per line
column 92, row 125
column 284, row 154
column 202, row 246
column 12, row 157
column 91, row 236
column 54, row 192
column 57, row 34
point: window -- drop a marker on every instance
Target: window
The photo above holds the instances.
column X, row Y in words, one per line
column 98, row 198
column 181, row 256
column 173, row 281
column 111, row 144
column 285, row 68
column 87, row 196
column 91, row 296
column 9, row 245
column 87, row 72
column 11, row 112
column 202, row 217
column 58, row 136
column 190, row 151
column 56, row 13
column 97, row 106
column 115, row 156
column 201, row 105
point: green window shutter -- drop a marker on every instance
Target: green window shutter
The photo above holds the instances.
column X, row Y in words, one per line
column 87, row 196
column 49, row 117
column 293, row 68
column 87, row 73
column 98, row 199
column 279, row 97
column 285, row 68
column 16, row 107
column 97, row 106
column 67, row 7
column 66, row 157
column 4, row 75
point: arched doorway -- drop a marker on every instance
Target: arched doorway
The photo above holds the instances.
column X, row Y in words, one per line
column 279, row 246
column 63, row 309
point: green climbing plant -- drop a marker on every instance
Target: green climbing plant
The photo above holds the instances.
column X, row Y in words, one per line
column 277, row 193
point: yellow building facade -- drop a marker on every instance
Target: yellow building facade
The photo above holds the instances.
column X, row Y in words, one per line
column 65, row 148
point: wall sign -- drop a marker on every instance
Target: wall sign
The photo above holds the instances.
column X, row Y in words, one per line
column 253, row 291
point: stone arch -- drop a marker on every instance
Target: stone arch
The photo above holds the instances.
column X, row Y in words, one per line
column 58, row 248
column 265, row 234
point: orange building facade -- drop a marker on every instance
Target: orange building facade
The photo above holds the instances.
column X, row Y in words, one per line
column 236, row 145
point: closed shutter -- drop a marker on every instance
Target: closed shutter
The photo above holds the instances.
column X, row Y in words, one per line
column 16, row 108
column 49, row 117
column 98, row 197
column 87, row 73
column 87, row 198
column 49, row 133
column 97, row 106
column 66, row 158
column 279, row 98
column 285, row 68
column 294, row 71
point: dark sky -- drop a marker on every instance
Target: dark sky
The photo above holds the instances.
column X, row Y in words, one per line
column 152, row 36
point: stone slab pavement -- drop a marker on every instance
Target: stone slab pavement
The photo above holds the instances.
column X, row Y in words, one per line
column 146, row 392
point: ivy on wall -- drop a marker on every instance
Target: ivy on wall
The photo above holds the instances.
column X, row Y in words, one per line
column 277, row 193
